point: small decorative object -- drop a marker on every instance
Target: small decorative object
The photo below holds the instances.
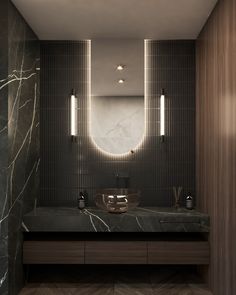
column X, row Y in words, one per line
column 189, row 202
column 81, row 201
column 177, row 192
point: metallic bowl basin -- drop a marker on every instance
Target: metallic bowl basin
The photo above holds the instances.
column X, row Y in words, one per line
column 117, row 200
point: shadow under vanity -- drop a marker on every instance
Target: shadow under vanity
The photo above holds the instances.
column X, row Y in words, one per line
column 92, row 236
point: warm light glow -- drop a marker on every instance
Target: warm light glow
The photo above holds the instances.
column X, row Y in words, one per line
column 120, row 68
column 73, row 115
column 117, row 196
column 145, row 104
column 121, row 81
column 162, row 115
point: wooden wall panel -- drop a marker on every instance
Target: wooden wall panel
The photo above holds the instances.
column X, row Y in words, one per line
column 216, row 141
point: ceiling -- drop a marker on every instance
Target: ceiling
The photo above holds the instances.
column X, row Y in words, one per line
column 106, row 55
column 139, row 19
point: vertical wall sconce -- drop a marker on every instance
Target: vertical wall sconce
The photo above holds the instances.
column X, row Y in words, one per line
column 73, row 115
column 162, row 115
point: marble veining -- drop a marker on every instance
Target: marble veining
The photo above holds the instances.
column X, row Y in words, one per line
column 152, row 219
column 20, row 134
column 3, row 149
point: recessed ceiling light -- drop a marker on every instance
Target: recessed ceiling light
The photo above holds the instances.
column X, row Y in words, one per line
column 120, row 67
column 121, row 81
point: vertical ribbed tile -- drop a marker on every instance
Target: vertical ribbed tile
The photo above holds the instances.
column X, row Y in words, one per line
column 68, row 168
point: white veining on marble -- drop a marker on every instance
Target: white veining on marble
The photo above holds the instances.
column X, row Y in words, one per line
column 18, row 87
column 14, row 72
column 4, row 128
column 94, row 215
column 91, row 220
column 16, row 78
column 29, row 132
column 25, row 103
column 14, row 113
column 33, row 117
column 145, row 209
column 21, row 192
column 37, row 167
column 20, row 79
column 3, row 218
column 5, row 204
column 139, row 224
column 21, row 147
column 3, row 279
column 11, row 181
column 25, row 184
column 24, row 227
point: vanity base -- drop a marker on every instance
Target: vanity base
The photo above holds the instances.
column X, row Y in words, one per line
column 116, row 249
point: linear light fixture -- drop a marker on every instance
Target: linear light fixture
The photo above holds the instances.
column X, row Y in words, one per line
column 73, row 115
column 162, row 115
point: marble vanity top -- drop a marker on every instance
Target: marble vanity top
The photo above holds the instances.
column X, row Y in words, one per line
column 148, row 219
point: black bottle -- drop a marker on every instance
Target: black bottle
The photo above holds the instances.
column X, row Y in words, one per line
column 81, row 201
column 189, row 202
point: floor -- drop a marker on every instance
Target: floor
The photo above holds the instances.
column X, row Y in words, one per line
column 110, row 280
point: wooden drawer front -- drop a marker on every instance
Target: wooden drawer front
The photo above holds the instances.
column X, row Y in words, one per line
column 178, row 252
column 115, row 252
column 53, row 252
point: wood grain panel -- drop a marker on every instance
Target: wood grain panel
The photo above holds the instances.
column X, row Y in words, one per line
column 178, row 253
column 53, row 252
column 125, row 280
column 216, row 141
column 115, row 252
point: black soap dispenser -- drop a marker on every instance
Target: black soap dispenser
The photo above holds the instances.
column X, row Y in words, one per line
column 81, row 201
column 189, row 202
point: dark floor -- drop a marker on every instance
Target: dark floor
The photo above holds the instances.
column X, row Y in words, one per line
column 109, row 280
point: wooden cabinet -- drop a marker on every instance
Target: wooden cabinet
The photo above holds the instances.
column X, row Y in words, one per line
column 184, row 252
column 115, row 252
column 53, row 252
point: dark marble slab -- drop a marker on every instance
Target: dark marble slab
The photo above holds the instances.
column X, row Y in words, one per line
column 151, row 219
column 19, row 139
column 4, row 200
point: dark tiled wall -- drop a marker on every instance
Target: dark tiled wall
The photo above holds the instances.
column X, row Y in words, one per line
column 67, row 168
column 20, row 129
